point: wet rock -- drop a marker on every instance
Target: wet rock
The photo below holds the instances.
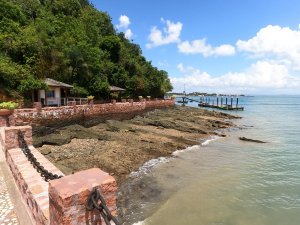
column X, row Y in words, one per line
column 65, row 135
column 251, row 140
column 120, row 147
column 45, row 151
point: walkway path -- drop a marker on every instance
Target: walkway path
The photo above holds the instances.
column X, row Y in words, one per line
column 7, row 213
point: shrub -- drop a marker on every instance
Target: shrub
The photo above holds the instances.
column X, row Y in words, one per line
column 9, row 105
column 90, row 97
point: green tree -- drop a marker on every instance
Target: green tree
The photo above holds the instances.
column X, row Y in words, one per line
column 71, row 41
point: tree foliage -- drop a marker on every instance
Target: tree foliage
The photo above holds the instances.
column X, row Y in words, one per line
column 71, row 41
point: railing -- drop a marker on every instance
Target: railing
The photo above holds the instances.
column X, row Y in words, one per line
column 55, row 101
column 65, row 101
column 79, row 101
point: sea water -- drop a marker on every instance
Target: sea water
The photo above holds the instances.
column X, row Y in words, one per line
column 227, row 181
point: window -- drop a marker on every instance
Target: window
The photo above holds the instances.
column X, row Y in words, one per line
column 50, row 94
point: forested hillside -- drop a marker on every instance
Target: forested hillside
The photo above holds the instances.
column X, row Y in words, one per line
column 70, row 41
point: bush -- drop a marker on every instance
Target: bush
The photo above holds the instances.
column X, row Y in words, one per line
column 90, row 97
column 9, row 105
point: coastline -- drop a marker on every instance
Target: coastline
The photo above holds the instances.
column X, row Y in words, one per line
column 122, row 147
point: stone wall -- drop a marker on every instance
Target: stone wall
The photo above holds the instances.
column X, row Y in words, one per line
column 156, row 103
column 67, row 195
column 33, row 189
column 81, row 113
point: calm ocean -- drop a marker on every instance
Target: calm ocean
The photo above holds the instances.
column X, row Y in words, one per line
column 228, row 181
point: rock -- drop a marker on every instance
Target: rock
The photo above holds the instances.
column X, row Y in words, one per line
column 251, row 140
column 156, row 134
column 45, row 151
column 66, row 134
column 115, row 126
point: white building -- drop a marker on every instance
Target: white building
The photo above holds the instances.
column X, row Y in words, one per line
column 56, row 95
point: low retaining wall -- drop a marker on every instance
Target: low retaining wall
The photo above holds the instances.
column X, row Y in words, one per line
column 66, row 114
column 61, row 201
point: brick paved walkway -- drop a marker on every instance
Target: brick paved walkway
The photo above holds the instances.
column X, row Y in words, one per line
column 7, row 214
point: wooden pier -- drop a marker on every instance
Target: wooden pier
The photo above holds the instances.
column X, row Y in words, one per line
column 223, row 107
column 207, row 102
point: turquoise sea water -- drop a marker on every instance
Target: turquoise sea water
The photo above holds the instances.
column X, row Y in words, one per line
column 229, row 181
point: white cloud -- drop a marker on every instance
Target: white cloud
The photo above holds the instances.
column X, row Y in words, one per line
column 201, row 47
column 262, row 75
column 169, row 34
column 123, row 25
column 275, row 42
column 124, row 22
column 128, row 34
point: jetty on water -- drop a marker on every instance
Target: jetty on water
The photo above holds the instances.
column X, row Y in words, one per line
column 223, row 103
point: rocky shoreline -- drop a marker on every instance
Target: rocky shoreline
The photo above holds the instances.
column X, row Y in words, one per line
column 121, row 147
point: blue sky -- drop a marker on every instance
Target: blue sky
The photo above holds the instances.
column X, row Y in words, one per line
column 233, row 46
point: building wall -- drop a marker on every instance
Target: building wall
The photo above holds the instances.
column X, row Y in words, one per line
column 57, row 92
column 42, row 94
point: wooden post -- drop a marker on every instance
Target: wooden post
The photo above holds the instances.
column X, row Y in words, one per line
column 231, row 101
column 237, row 102
column 217, row 101
column 221, row 100
column 226, row 101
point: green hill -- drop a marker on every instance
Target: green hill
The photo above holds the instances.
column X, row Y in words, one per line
column 70, row 41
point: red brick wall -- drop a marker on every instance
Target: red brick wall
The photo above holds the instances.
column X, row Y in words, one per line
column 33, row 188
column 72, row 113
column 154, row 104
column 61, row 201
column 68, row 197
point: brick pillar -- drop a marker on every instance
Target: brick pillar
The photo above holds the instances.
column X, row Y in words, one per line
column 11, row 136
column 2, row 121
column 68, row 196
column 91, row 102
column 72, row 103
column 11, row 120
column 37, row 106
column 131, row 101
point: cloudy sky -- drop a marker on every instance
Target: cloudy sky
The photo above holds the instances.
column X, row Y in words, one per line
column 233, row 46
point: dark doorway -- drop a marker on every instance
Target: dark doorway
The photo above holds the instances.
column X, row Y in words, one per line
column 35, row 96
